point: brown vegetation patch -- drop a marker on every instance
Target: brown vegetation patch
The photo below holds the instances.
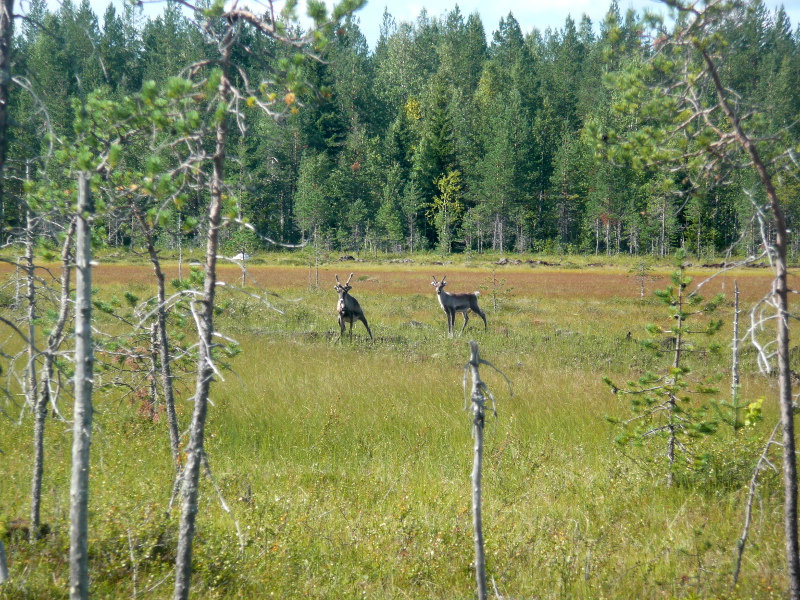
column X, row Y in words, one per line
column 588, row 283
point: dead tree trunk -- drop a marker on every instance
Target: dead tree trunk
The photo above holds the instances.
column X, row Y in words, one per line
column 153, row 375
column 44, row 396
column 761, row 464
column 781, row 292
column 6, row 36
column 82, row 414
column 204, row 318
column 30, row 269
column 163, row 341
column 735, row 395
column 478, row 418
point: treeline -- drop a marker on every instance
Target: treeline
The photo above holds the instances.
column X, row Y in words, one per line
column 434, row 139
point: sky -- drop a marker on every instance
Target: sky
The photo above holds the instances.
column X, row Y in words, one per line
column 529, row 13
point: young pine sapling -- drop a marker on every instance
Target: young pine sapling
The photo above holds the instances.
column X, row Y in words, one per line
column 664, row 404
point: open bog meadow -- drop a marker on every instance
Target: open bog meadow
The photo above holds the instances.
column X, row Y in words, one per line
column 345, row 465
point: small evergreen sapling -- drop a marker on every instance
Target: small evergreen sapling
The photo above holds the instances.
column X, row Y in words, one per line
column 498, row 290
column 665, row 404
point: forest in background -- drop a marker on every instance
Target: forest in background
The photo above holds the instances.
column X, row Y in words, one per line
column 434, row 139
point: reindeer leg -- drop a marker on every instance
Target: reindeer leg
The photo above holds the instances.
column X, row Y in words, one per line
column 451, row 322
column 482, row 316
column 341, row 328
column 363, row 319
column 466, row 320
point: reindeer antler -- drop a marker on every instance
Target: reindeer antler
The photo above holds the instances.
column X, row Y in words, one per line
column 337, row 279
column 348, row 279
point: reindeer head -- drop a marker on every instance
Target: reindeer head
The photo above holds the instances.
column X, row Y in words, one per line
column 439, row 285
column 343, row 289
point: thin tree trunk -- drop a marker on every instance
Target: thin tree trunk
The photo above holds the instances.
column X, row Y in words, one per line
column 676, row 363
column 735, row 357
column 748, row 510
column 180, row 248
column 82, row 414
column 478, row 402
column 699, row 235
column 30, row 268
column 163, row 341
column 596, row 237
column 782, row 338
column 6, row 37
column 205, row 370
column 153, row 371
column 44, row 396
column 3, row 564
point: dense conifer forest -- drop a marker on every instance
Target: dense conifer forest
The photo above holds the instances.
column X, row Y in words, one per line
column 440, row 137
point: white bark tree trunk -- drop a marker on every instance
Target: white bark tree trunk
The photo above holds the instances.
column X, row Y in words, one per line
column 44, row 396
column 83, row 411
column 478, row 418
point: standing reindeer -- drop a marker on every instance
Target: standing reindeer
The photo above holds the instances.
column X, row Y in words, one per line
column 348, row 308
column 457, row 303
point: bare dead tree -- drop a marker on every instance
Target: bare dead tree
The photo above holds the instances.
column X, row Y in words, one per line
column 478, row 398
column 735, row 383
column 6, row 37
column 161, row 335
column 780, row 302
column 762, row 463
column 46, row 394
column 30, row 277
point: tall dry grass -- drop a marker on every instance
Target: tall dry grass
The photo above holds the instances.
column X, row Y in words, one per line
column 347, row 464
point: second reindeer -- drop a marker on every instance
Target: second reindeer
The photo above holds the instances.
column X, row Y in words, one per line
column 348, row 308
column 457, row 303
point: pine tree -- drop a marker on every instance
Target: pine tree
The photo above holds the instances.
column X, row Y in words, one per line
column 664, row 404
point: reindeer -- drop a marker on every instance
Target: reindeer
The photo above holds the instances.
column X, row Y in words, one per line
column 348, row 308
column 457, row 303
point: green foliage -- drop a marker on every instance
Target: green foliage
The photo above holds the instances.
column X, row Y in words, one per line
column 446, row 208
column 499, row 290
column 523, row 120
column 671, row 405
column 352, row 494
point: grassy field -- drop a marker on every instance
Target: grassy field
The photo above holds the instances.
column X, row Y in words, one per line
column 346, row 465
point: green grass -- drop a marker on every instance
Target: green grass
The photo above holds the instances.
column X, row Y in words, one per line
column 347, row 464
